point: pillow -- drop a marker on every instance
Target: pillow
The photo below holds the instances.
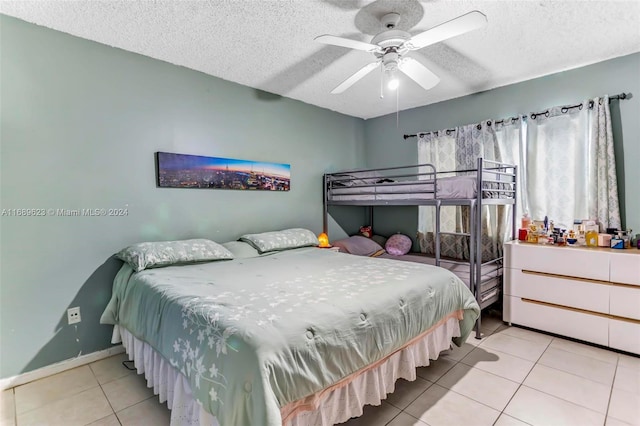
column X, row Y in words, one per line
column 281, row 240
column 398, row 245
column 359, row 245
column 241, row 250
column 143, row 256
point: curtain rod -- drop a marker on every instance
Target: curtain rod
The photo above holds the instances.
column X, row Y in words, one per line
column 535, row 114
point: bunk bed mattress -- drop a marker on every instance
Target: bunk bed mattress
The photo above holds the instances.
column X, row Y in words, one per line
column 253, row 335
column 490, row 273
column 456, row 187
column 492, row 270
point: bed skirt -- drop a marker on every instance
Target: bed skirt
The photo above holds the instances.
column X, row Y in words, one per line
column 337, row 405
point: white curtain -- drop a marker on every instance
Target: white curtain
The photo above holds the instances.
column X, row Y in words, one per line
column 510, row 138
column 570, row 165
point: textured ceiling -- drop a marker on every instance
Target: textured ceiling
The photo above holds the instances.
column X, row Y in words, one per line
column 268, row 44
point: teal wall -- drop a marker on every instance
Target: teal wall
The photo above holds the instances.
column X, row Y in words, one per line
column 386, row 147
column 80, row 124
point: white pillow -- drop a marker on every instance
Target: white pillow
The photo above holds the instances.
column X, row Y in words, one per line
column 281, row 240
column 157, row 254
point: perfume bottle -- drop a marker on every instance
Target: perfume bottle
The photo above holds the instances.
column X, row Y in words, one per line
column 591, row 238
column 526, row 221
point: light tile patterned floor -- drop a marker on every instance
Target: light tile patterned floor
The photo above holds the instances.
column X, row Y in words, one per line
column 511, row 377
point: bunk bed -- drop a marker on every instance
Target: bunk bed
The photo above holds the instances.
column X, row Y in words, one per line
column 490, row 183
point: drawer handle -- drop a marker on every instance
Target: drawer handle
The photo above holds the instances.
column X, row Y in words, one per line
column 566, row 277
column 582, row 311
column 587, row 280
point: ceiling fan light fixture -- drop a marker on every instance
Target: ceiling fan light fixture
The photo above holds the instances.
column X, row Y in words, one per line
column 390, row 65
column 391, row 77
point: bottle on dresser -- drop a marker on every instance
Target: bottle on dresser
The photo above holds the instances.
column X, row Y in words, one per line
column 586, row 232
column 622, row 240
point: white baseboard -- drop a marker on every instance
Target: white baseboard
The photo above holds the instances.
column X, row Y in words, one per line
column 58, row 367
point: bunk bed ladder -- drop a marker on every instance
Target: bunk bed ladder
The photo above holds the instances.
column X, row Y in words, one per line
column 476, row 227
column 436, row 239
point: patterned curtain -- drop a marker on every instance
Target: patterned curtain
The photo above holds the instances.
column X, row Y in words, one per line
column 439, row 149
column 606, row 207
column 570, row 162
column 459, row 149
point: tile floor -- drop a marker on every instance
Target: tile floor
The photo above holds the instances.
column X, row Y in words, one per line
column 511, row 377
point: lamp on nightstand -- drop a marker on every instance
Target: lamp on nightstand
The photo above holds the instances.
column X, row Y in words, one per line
column 323, row 239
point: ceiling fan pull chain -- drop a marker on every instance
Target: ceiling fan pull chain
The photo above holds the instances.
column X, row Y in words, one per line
column 398, row 107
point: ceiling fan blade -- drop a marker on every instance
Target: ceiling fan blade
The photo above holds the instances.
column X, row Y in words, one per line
column 347, row 42
column 455, row 27
column 418, row 73
column 355, row 77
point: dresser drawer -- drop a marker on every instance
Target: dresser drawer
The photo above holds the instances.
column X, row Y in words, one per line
column 587, row 295
column 624, row 302
column 624, row 335
column 625, row 268
column 579, row 325
column 570, row 261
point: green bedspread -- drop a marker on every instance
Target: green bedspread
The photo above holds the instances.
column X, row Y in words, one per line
column 252, row 335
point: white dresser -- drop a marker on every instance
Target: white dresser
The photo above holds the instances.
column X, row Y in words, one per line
column 591, row 294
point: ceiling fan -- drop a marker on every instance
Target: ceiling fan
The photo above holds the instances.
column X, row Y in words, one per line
column 391, row 45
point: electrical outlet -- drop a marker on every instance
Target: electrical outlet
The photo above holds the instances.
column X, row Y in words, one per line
column 73, row 315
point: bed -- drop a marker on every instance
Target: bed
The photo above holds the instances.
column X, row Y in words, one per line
column 472, row 254
column 296, row 337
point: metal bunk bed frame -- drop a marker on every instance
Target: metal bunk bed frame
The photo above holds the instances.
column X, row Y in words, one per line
column 491, row 177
